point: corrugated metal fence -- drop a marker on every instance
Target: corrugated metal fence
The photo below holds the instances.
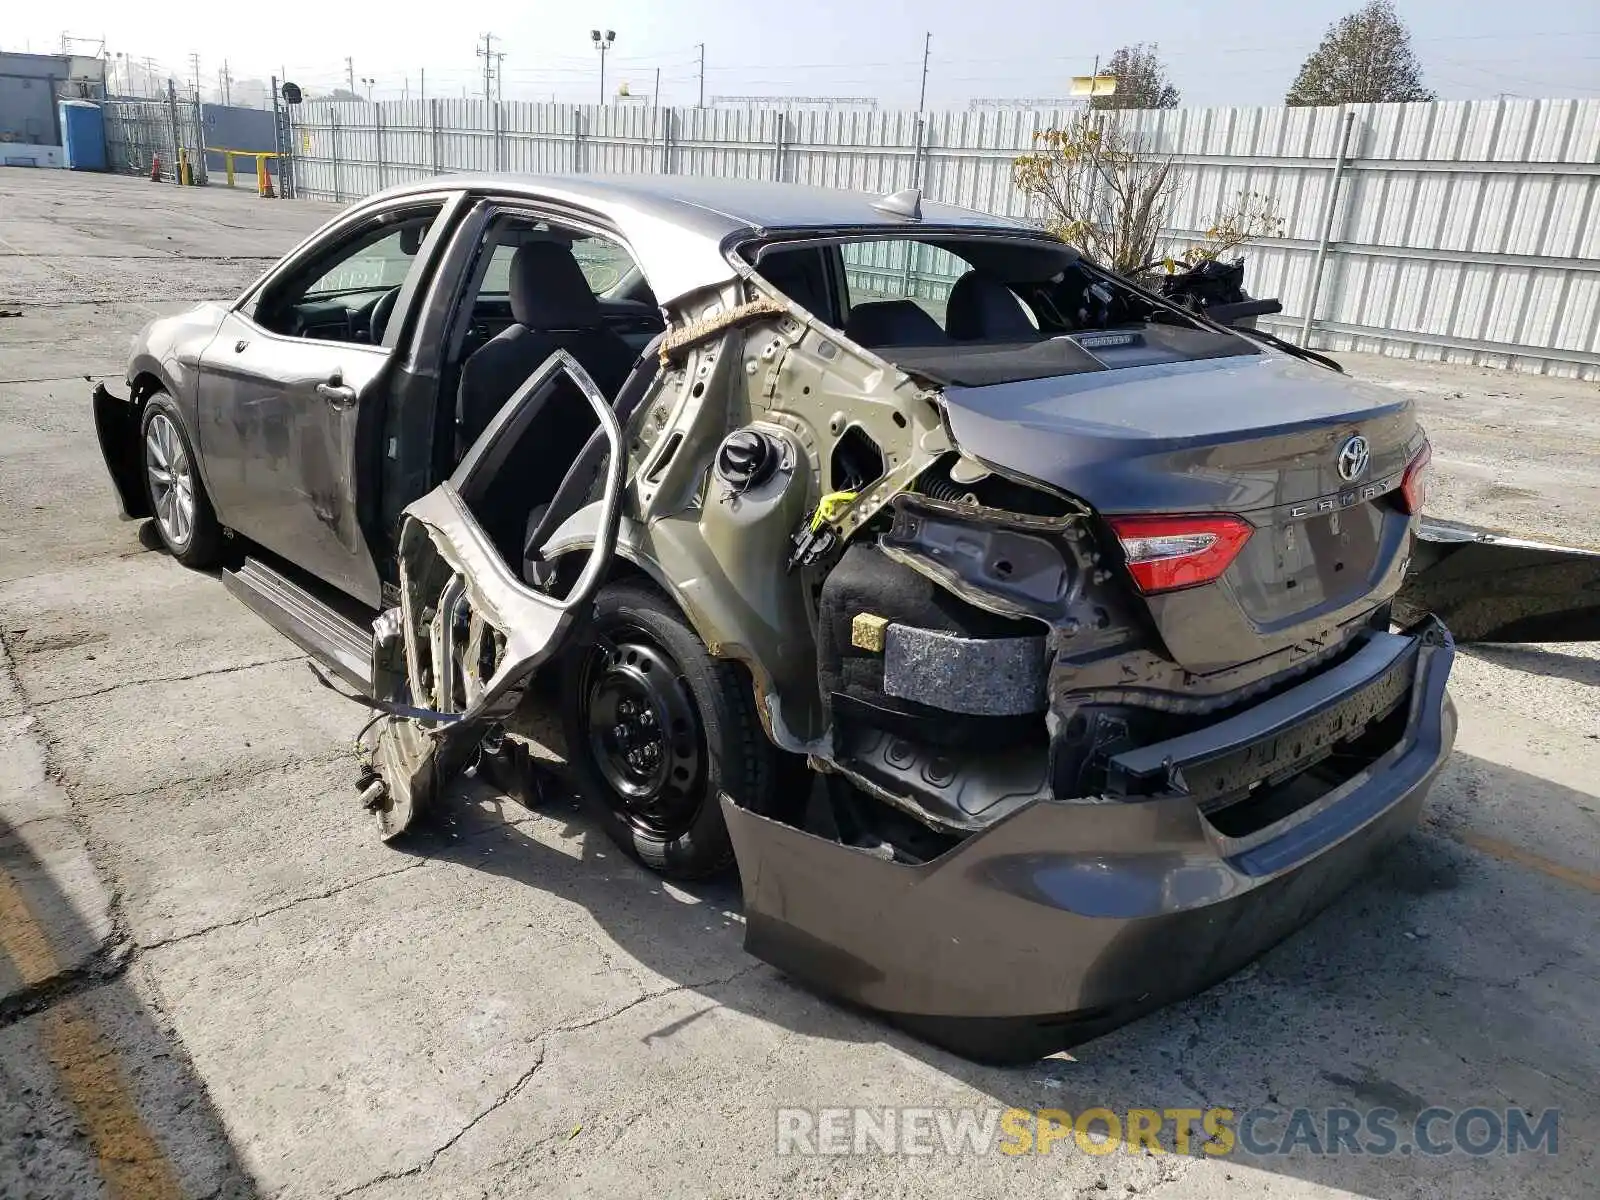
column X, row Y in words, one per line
column 1467, row 230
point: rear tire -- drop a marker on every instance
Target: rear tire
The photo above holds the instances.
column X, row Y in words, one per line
column 655, row 728
column 184, row 518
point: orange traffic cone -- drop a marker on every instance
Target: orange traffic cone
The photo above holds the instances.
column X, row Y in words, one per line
column 155, row 168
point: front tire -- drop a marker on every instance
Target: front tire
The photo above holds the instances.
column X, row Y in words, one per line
column 655, row 728
column 185, row 521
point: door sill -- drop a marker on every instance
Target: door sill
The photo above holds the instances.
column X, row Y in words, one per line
column 312, row 623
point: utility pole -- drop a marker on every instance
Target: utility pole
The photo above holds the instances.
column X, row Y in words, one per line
column 922, row 96
column 702, row 101
column 422, row 85
column 225, row 83
column 655, row 96
column 499, row 75
column 194, row 70
column 486, row 52
column 350, row 74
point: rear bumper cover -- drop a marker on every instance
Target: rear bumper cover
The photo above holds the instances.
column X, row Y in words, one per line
column 1066, row 919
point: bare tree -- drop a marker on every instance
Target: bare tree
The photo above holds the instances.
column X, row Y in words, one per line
column 1107, row 192
column 1141, row 80
column 1100, row 190
column 1249, row 215
column 1364, row 58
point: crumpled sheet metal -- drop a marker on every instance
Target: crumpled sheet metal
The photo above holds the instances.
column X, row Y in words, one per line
column 994, row 677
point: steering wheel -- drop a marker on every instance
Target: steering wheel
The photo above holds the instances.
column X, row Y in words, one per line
column 379, row 320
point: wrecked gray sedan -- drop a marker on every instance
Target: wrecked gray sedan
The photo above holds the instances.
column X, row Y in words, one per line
column 1030, row 642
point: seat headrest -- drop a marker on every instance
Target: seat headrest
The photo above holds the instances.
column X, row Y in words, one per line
column 892, row 323
column 788, row 273
column 983, row 308
column 548, row 290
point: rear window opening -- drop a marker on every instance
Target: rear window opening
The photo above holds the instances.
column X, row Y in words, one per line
column 973, row 310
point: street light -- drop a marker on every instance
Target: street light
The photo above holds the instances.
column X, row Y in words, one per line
column 602, row 44
column 369, row 82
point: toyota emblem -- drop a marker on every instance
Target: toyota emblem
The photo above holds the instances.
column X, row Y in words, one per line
column 1353, row 458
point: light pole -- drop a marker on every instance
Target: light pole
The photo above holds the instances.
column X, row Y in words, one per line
column 369, row 81
column 602, row 44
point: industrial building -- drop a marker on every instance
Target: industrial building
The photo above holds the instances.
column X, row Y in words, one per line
column 31, row 87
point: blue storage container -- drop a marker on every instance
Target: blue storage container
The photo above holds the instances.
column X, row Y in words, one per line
column 83, row 135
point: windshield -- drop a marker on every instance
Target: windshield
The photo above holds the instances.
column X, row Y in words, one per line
column 975, row 310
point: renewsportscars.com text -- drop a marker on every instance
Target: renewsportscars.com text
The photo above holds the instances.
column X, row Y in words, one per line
column 1262, row 1131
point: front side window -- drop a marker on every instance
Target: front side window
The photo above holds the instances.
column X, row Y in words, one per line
column 381, row 264
column 345, row 292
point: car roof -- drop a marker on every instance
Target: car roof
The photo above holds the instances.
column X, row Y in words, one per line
column 677, row 224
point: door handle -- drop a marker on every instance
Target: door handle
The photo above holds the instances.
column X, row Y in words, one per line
column 238, row 347
column 335, row 392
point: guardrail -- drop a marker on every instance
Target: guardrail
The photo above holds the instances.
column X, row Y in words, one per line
column 263, row 179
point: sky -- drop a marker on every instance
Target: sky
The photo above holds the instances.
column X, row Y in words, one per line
column 1238, row 52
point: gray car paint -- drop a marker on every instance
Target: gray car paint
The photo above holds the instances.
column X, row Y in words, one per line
column 1217, row 435
column 1256, row 435
column 279, row 454
column 1070, row 917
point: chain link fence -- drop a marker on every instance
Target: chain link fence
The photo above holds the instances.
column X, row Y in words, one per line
column 143, row 133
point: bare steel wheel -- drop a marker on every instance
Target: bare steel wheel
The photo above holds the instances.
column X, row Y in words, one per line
column 178, row 500
column 657, row 730
column 645, row 734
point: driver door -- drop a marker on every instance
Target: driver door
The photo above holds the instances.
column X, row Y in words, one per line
column 291, row 382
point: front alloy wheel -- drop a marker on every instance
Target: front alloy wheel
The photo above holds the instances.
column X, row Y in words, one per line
column 171, row 481
column 184, row 518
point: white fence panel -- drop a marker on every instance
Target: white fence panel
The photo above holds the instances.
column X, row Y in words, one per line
column 1466, row 230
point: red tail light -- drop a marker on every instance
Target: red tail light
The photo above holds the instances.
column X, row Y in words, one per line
column 1165, row 553
column 1414, row 483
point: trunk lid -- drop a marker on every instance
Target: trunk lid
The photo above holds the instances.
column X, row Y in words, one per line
column 1260, row 436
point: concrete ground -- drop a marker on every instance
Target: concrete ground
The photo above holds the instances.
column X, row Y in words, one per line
column 215, row 981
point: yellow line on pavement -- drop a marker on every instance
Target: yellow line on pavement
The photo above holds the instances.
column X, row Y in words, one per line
column 22, row 938
column 1506, row 852
column 130, row 1159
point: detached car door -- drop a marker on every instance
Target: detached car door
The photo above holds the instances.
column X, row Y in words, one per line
column 293, row 388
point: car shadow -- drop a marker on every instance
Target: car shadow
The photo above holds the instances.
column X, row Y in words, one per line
column 97, row 1096
column 1391, row 998
column 1539, row 660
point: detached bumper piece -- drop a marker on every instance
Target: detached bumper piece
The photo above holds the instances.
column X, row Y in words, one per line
column 1489, row 587
column 116, row 425
column 1068, row 918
